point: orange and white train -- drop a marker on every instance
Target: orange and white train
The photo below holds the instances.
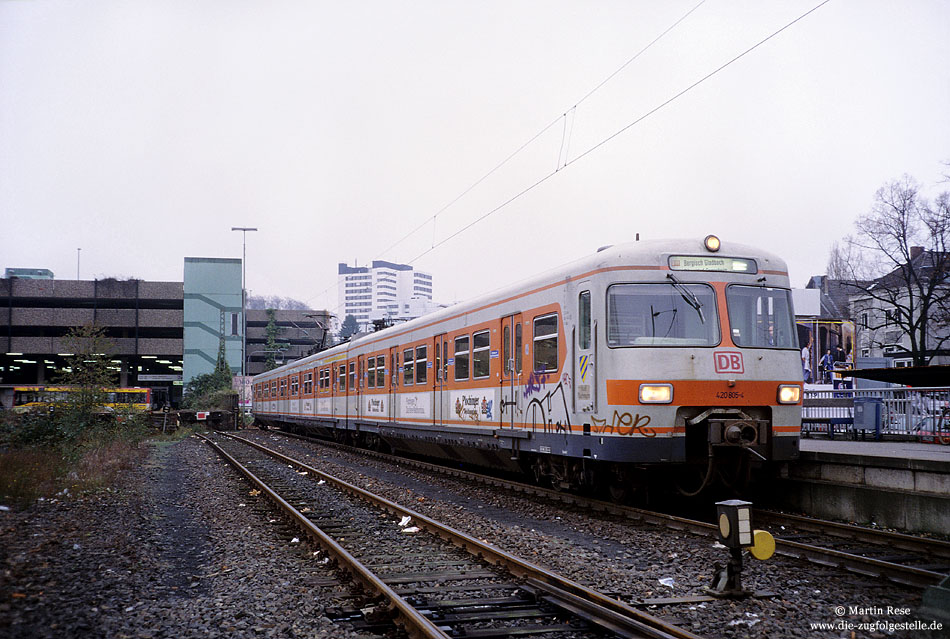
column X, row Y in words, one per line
column 672, row 360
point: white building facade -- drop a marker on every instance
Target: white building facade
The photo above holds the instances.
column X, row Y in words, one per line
column 384, row 290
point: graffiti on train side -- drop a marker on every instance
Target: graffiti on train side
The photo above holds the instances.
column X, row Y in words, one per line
column 536, row 382
column 549, row 412
column 539, row 379
column 623, row 424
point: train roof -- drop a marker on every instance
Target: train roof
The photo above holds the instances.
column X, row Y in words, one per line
column 647, row 253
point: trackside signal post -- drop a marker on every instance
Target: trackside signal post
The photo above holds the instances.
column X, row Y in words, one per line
column 734, row 519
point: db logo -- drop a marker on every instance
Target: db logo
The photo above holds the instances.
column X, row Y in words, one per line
column 729, row 362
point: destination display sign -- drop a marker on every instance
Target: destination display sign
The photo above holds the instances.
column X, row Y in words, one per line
column 712, row 263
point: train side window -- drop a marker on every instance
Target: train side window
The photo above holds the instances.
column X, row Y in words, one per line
column 481, row 342
column 461, row 358
column 294, row 385
column 381, row 371
column 422, row 361
column 518, row 354
column 583, row 321
column 545, row 343
column 506, row 348
column 341, row 378
column 438, row 361
column 371, row 373
column 352, row 376
column 407, row 367
column 394, row 364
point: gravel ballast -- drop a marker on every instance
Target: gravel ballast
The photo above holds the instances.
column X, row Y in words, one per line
column 182, row 548
column 169, row 553
column 631, row 562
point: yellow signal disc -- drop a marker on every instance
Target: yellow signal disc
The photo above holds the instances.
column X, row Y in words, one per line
column 724, row 525
column 763, row 544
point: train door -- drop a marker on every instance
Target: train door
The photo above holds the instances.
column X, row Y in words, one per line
column 512, row 353
column 352, row 400
column 585, row 382
column 440, row 348
column 393, row 383
column 339, row 403
column 360, row 384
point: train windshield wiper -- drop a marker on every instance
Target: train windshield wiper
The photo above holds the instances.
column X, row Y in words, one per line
column 688, row 295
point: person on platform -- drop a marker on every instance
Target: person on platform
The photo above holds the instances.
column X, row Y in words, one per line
column 826, row 364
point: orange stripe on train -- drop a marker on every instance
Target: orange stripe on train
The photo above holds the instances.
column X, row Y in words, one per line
column 625, row 392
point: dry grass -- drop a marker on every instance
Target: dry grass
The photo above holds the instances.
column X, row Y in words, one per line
column 27, row 474
column 96, row 461
column 100, row 466
column 30, row 473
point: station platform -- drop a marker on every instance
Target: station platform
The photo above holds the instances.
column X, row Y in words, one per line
column 892, row 449
column 894, row 484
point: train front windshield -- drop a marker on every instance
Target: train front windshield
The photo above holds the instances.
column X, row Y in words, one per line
column 761, row 317
column 674, row 314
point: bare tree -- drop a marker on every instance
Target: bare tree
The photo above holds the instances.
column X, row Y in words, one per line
column 902, row 285
column 263, row 302
column 844, row 263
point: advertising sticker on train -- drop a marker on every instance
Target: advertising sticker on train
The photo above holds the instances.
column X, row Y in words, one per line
column 377, row 405
column 729, row 362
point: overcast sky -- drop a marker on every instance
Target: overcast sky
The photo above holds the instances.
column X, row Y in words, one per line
column 141, row 132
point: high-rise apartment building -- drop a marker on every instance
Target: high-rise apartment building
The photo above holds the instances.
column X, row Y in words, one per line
column 383, row 290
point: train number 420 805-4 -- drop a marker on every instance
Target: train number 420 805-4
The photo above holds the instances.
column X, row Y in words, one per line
column 730, row 395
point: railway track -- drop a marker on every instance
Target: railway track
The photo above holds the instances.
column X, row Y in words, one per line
column 432, row 580
column 908, row 560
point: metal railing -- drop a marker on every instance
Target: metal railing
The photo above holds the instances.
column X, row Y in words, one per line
column 914, row 413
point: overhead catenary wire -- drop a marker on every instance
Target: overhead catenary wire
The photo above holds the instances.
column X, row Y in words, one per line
column 620, row 131
column 544, row 129
column 595, row 147
column 565, row 146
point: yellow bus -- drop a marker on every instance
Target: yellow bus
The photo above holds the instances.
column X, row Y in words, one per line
column 28, row 398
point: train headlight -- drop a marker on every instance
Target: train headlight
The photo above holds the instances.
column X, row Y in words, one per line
column 712, row 243
column 656, row 393
column 789, row 394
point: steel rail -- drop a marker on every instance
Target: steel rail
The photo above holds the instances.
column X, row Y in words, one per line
column 412, row 621
column 897, row 573
column 600, row 609
column 936, row 547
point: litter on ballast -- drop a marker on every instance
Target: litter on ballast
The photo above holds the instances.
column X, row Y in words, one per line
column 751, row 620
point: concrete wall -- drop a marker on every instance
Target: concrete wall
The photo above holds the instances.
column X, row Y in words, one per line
column 89, row 289
column 907, row 494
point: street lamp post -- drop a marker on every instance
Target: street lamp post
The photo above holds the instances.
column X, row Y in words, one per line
column 244, row 230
